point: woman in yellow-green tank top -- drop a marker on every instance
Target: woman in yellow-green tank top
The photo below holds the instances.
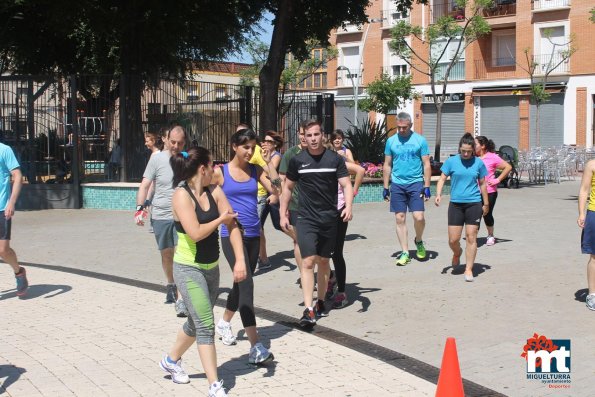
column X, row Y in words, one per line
column 586, row 221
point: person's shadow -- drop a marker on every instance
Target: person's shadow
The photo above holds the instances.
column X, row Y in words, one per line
column 481, row 241
column 277, row 261
column 355, row 293
column 351, row 237
column 37, row 291
column 478, row 268
column 413, row 255
column 11, row 373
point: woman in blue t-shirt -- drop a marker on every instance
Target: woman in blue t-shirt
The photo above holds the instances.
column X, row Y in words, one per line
column 468, row 201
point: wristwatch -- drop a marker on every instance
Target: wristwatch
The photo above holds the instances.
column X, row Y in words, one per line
column 140, row 207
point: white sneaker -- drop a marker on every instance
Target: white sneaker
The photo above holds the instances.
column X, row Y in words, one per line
column 225, row 333
column 217, row 390
column 491, row 241
column 259, row 354
column 178, row 375
column 181, row 310
column 590, row 301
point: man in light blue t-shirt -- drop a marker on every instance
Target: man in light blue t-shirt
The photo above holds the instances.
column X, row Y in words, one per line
column 407, row 174
column 9, row 168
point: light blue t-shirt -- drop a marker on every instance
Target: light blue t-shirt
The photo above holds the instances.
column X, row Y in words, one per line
column 464, row 175
column 8, row 162
column 407, row 153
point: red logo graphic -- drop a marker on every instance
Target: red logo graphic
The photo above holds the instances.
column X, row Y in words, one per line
column 537, row 343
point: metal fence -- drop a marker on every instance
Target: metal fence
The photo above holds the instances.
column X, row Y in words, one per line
column 52, row 124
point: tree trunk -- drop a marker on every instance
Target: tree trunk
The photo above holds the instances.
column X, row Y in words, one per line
column 438, row 131
column 270, row 73
column 537, row 129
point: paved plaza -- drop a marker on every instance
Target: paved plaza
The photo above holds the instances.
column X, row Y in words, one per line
column 94, row 322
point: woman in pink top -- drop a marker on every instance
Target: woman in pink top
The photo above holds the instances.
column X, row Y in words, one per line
column 484, row 149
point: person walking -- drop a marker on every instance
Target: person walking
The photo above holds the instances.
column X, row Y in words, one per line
column 10, row 168
column 485, row 150
column 159, row 171
column 317, row 171
column 586, row 221
column 406, row 174
column 468, row 201
column 154, row 144
column 199, row 208
column 238, row 180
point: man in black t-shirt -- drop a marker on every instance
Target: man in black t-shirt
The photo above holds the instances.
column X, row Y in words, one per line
column 317, row 172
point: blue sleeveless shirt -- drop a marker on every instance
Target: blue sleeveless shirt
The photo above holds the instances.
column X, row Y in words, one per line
column 243, row 199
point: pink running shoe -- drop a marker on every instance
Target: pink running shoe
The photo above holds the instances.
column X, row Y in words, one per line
column 491, row 241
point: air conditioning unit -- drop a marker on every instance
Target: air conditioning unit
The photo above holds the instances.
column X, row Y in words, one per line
column 457, row 97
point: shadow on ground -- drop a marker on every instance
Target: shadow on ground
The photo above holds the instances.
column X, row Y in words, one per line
column 11, row 373
column 37, row 291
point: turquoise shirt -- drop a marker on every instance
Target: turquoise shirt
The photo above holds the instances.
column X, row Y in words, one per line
column 464, row 176
column 8, row 162
column 407, row 153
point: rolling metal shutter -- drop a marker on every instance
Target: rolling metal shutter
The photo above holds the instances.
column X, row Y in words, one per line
column 344, row 115
column 453, row 127
column 500, row 119
column 551, row 122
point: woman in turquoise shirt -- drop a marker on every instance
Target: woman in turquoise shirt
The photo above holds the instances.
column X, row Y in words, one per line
column 468, row 201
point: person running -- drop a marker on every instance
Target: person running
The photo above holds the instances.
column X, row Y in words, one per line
column 468, row 201
column 154, row 144
column 406, row 174
column 316, row 171
column 484, row 149
column 238, row 180
column 10, row 168
column 159, row 170
column 337, row 141
column 199, row 208
column 586, row 221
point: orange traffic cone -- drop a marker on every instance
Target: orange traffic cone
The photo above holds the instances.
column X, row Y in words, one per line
column 450, row 383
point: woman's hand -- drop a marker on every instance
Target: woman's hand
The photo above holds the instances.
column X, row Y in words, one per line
column 266, row 155
column 239, row 271
column 228, row 217
column 437, row 200
column 493, row 182
column 485, row 208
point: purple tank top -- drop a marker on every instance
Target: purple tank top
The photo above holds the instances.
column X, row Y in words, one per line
column 243, row 199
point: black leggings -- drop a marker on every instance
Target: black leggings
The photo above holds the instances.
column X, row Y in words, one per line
column 489, row 218
column 338, row 259
column 242, row 294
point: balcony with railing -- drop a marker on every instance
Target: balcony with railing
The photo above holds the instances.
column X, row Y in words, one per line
column 457, row 72
column 550, row 5
column 347, row 78
column 500, row 8
column 551, row 63
column 391, row 17
column 440, row 9
column 395, row 70
column 494, row 68
column 349, row 28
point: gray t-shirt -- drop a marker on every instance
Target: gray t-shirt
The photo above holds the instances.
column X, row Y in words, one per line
column 159, row 170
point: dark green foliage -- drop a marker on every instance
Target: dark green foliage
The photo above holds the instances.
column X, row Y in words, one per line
column 367, row 141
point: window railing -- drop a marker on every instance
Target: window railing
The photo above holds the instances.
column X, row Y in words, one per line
column 396, row 70
column 500, row 8
column 494, row 68
column 446, row 8
column 348, row 78
column 551, row 63
column 392, row 16
column 547, row 4
column 457, row 72
column 349, row 28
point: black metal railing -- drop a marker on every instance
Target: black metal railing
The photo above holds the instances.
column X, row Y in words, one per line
column 441, row 9
column 500, row 8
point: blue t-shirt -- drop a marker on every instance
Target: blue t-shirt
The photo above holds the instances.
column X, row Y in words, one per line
column 407, row 153
column 8, row 162
column 464, row 175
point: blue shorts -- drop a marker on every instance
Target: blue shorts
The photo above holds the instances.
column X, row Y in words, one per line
column 406, row 196
column 588, row 235
column 165, row 233
column 5, row 226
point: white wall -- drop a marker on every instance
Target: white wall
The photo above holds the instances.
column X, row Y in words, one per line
column 570, row 108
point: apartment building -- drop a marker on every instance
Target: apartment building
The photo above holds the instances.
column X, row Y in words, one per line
column 488, row 89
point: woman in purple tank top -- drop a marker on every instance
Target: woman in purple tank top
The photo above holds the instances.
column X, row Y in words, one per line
column 238, row 179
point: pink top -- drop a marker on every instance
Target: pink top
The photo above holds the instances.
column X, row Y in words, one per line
column 491, row 161
column 340, row 198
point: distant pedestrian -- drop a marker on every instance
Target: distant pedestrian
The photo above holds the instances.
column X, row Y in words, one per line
column 154, row 143
column 199, row 208
column 115, row 162
column 10, row 168
column 586, row 221
column 406, row 174
column 485, row 150
column 468, row 201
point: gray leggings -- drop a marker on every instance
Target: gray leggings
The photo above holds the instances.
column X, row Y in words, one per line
column 199, row 289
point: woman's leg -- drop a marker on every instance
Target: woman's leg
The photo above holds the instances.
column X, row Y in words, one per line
column 338, row 259
column 471, row 247
column 489, row 217
column 454, row 241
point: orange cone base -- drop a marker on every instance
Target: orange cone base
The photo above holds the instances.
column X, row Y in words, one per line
column 450, row 383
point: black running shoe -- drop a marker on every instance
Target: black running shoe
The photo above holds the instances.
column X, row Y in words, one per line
column 320, row 309
column 308, row 319
column 170, row 296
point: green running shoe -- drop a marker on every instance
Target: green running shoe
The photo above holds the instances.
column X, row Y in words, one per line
column 403, row 259
column 421, row 250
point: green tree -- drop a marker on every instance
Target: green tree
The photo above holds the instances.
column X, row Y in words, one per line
column 387, row 93
column 446, row 41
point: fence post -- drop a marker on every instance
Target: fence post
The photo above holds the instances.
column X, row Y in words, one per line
column 123, row 124
column 75, row 164
column 329, row 113
column 248, row 114
column 32, row 177
column 319, row 108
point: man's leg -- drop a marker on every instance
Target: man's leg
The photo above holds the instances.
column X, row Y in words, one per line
column 591, row 274
column 402, row 230
column 9, row 256
column 419, row 223
column 307, row 275
column 167, row 263
column 322, row 276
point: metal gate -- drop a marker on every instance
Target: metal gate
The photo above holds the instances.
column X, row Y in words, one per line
column 500, row 119
column 453, row 127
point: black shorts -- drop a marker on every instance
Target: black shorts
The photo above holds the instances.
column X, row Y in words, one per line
column 460, row 214
column 293, row 217
column 315, row 238
column 5, row 226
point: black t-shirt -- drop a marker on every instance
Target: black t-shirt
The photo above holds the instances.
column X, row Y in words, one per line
column 317, row 178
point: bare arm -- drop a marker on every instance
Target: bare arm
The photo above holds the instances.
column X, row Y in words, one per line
column 17, row 184
column 345, row 183
column 505, row 168
column 358, row 171
column 427, row 170
column 349, row 156
column 143, row 191
column 235, row 236
column 387, row 168
column 483, row 188
column 439, row 187
column 288, row 186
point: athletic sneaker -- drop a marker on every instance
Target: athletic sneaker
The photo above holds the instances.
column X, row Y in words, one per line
column 217, row 390
column 320, row 309
column 263, row 265
column 421, row 250
column 340, row 300
column 331, row 288
column 403, row 259
column 225, row 333
column 309, row 318
column 170, row 295
column 491, row 241
column 22, row 282
column 259, row 354
column 590, row 301
column 181, row 310
column 178, row 375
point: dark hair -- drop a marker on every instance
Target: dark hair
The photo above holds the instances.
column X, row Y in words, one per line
column 311, row 122
column 467, row 139
column 242, row 136
column 488, row 143
column 186, row 164
column 276, row 137
column 156, row 138
column 243, row 126
column 337, row 134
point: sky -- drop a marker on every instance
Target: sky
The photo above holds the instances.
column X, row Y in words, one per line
column 264, row 32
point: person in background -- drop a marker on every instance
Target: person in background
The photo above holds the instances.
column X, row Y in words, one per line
column 154, row 144
column 337, row 141
column 586, row 221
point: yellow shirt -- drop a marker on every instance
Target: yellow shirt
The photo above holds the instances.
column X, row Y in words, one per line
column 258, row 160
column 591, row 206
